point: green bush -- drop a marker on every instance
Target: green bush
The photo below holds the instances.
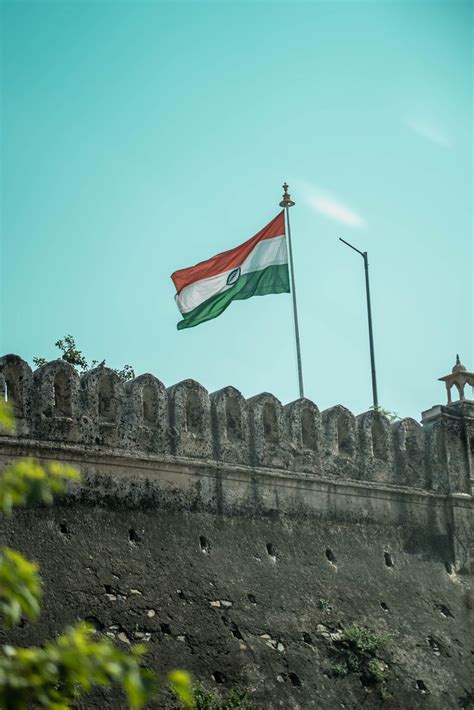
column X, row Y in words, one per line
column 360, row 638
column 74, row 356
column 324, row 605
column 204, row 699
column 356, row 653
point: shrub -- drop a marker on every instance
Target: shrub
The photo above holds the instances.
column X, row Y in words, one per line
column 356, row 653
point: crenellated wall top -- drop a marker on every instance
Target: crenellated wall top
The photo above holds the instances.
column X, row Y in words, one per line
column 97, row 409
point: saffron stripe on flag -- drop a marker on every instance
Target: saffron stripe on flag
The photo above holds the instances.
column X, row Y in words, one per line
column 227, row 260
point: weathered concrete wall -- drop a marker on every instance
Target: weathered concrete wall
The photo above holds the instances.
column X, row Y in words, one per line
column 236, row 536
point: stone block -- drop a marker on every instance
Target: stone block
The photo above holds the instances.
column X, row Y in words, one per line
column 270, row 446
column 437, row 457
column 374, row 447
column 339, row 443
column 409, row 453
column 304, row 429
column 56, row 402
column 145, row 425
column 190, row 420
column 458, row 454
column 102, row 394
column 16, row 386
column 230, row 424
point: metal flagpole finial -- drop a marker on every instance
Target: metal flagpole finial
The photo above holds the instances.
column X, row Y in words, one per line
column 286, row 201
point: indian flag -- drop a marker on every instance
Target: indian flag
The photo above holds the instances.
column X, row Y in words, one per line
column 257, row 267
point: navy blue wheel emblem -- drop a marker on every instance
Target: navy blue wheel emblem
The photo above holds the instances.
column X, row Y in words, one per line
column 233, row 277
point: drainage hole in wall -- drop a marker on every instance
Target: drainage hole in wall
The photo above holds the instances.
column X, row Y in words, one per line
column 63, row 527
column 204, row 543
column 448, row 567
column 271, row 550
column 434, row 645
column 108, row 589
column 133, row 537
column 307, row 638
column 388, row 559
column 421, row 686
column 98, row 625
column 251, row 598
column 294, row 680
column 444, row 610
column 218, row 677
column 367, row 681
column 330, row 555
column 235, row 631
column 165, row 628
column 384, row 606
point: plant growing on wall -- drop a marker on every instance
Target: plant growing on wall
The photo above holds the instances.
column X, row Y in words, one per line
column 75, row 357
column 391, row 416
column 204, row 699
column 356, row 651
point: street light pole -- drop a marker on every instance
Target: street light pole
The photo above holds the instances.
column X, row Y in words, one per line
column 364, row 255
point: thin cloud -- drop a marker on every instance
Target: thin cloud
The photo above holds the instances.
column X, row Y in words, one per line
column 428, row 130
column 330, row 206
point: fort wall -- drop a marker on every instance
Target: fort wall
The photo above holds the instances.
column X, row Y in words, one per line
column 237, row 537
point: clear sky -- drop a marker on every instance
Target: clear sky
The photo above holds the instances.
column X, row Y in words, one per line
column 143, row 137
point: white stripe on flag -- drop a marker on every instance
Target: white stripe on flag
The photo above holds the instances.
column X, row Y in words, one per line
column 268, row 252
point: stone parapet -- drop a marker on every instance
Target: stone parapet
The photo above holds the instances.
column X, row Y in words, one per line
column 98, row 410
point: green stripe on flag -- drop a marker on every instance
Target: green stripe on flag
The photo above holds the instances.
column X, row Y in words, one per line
column 273, row 279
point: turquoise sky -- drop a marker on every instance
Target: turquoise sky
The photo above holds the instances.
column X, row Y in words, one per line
column 142, row 137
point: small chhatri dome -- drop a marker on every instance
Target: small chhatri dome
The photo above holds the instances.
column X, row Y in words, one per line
column 459, row 367
column 459, row 377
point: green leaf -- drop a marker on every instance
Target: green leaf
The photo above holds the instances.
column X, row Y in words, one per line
column 181, row 684
column 26, row 481
column 20, row 588
column 55, row 674
column 7, row 421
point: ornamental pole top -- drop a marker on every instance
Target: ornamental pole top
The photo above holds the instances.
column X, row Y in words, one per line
column 286, row 201
column 459, row 367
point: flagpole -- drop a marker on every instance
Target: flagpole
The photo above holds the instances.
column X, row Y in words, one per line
column 286, row 203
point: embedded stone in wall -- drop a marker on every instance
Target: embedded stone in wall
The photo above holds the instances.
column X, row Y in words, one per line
column 16, row 388
column 304, row 427
column 145, row 423
column 375, row 454
column 56, row 402
column 269, row 433
column 339, row 442
column 230, row 423
column 190, row 420
column 409, row 451
column 102, row 391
